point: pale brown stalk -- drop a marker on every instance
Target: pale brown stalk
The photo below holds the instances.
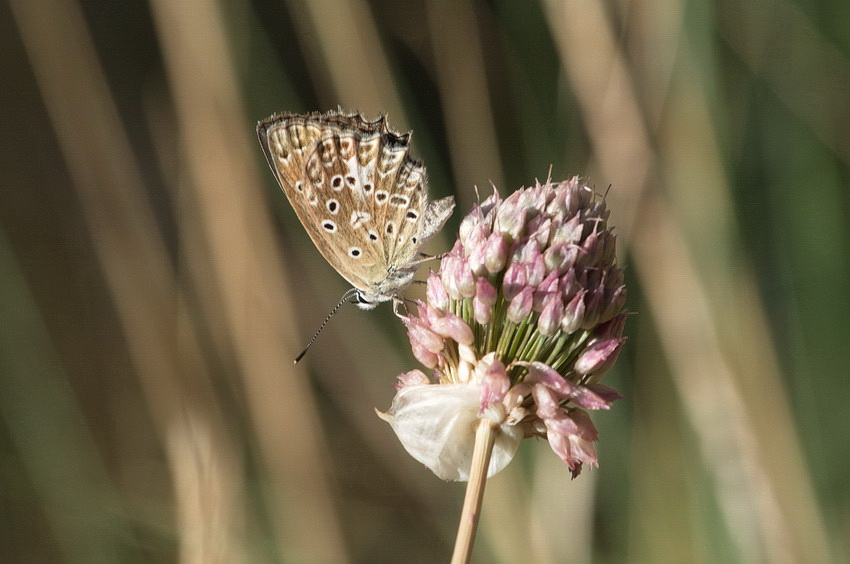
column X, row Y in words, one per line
column 485, row 437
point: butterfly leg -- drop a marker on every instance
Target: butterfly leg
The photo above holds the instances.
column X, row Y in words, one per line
column 397, row 304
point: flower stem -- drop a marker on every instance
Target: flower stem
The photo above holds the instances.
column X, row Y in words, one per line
column 485, row 437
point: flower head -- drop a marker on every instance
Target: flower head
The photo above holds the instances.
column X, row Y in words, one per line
column 524, row 316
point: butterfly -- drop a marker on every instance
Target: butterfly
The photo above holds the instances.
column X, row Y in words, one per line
column 359, row 194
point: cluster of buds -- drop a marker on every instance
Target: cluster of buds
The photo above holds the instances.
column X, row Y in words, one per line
column 524, row 316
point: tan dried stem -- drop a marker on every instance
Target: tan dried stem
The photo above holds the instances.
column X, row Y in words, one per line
column 485, row 438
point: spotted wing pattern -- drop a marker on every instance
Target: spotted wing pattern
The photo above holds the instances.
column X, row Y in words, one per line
column 359, row 194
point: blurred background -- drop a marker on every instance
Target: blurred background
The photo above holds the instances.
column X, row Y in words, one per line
column 155, row 285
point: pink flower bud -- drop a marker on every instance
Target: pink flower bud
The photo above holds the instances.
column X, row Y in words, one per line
column 511, row 216
column 453, row 327
column 592, row 250
column 586, row 428
column 427, row 358
column 540, row 374
column 421, row 335
column 598, row 357
column 496, row 252
column 568, row 233
column 465, row 281
column 593, row 301
column 536, row 270
column 608, row 394
column 612, row 328
column 573, row 449
column 570, row 286
column 546, row 401
column 616, row 300
column 468, row 225
column 609, row 248
column 477, row 258
column 520, row 307
column 489, row 205
column 436, row 293
column 588, row 399
column 514, row 281
column 457, row 277
column 558, row 258
column 550, row 318
column 573, row 314
column 413, row 378
column 545, row 290
column 493, row 378
column 526, row 250
column 428, row 314
column 561, row 423
column 482, row 304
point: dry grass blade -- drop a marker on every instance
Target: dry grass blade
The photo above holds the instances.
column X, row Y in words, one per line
column 710, row 383
column 245, row 270
column 120, row 220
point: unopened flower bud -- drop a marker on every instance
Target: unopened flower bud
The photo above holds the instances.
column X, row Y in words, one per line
column 436, row 293
column 491, row 375
column 457, row 277
column 573, row 314
column 468, row 225
column 482, row 303
column 453, row 327
column 427, row 358
column 514, row 281
column 569, row 233
column 598, row 357
column 520, row 307
column 496, row 252
column 550, row 317
column 559, row 258
column 421, row 334
column 412, row 378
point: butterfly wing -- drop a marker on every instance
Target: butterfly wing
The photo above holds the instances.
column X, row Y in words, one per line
column 359, row 194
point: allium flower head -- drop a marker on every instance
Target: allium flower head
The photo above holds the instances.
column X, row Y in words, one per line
column 524, row 316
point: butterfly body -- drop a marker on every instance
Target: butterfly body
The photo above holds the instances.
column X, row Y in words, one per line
column 361, row 197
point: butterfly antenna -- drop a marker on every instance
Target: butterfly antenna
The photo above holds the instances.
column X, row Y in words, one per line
column 348, row 296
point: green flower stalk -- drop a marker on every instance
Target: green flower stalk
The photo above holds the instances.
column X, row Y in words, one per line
column 523, row 318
